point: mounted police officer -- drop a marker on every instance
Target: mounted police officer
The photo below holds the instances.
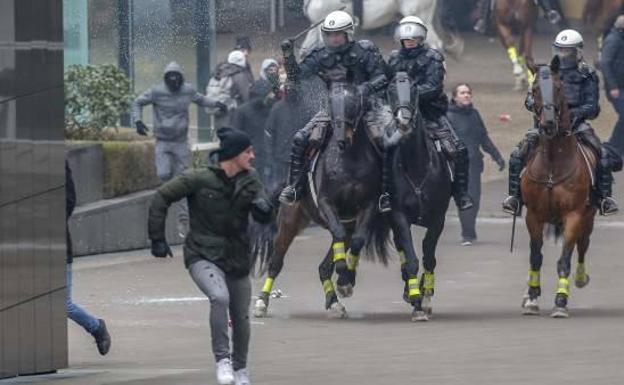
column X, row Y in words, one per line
column 341, row 58
column 425, row 68
column 580, row 86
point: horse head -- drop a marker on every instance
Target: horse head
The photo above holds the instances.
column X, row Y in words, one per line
column 404, row 101
column 346, row 107
column 550, row 107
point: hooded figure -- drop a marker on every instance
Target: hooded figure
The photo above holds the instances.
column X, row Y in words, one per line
column 170, row 102
column 251, row 118
column 235, row 69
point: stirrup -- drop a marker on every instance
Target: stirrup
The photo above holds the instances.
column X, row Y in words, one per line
column 512, row 205
column 464, row 202
column 384, row 204
column 608, row 206
column 288, row 196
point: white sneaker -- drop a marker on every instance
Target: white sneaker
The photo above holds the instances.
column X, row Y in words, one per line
column 241, row 377
column 225, row 374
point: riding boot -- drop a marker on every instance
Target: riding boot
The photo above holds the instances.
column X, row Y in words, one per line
column 460, row 184
column 292, row 192
column 513, row 203
column 550, row 12
column 385, row 200
column 481, row 25
column 604, row 181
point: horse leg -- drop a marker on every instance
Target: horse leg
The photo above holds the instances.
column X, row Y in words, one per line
column 572, row 229
column 291, row 221
column 429, row 245
column 339, row 239
column 409, row 264
column 506, row 36
column 356, row 242
column 536, row 231
column 581, row 278
column 526, row 52
column 335, row 308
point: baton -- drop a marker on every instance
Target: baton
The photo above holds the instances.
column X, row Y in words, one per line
column 513, row 233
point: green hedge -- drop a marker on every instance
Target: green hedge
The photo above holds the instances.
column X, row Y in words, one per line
column 128, row 167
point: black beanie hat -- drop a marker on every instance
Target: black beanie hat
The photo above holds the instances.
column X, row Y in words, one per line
column 231, row 143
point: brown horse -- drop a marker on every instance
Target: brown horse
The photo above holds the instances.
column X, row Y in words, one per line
column 517, row 17
column 556, row 189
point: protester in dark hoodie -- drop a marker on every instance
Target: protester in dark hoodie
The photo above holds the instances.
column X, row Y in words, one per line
column 252, row 116
column 216, row 251
column 471, row 130
column 94, row 326
column 243, row 44
column 170, row 102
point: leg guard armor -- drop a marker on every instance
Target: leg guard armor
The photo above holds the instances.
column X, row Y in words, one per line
column 482, row 24
column 604, row 182
column 460, row 184
column 513, row 203
column 292, row 191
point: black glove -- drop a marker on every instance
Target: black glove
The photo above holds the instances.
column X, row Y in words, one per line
column 261, row 210
column 288, row 47
column 222, row 107
column 501, row 164
column 160, row 249
column 141, row 128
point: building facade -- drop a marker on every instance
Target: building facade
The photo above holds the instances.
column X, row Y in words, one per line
column 33, row 325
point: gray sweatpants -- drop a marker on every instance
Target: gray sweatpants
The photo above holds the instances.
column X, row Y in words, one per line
column 225, row 294
column 172, row 158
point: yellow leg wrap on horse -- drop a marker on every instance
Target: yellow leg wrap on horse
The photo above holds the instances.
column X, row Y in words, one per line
column 352, row 261
column 563, row 287
column 530, row 77
column 339, row 251
column 428, row 280
column 402, row 257
column 328, row 286
column 513, row 55
column 268, row 285
column 534, row 278
column 414, row 289
column 580, row 272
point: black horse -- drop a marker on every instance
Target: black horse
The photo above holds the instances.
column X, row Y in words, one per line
column 341, row 194
column 421, row 183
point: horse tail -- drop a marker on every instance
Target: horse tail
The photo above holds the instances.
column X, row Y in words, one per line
column 554, row 231
column 452, row 41
column 261, row 238
column 377, row 238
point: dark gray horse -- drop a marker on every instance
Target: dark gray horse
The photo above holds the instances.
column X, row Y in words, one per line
column 421, row 194
column 341, row 195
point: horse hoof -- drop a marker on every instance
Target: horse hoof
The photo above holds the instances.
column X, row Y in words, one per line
column 260, row 309
column 345, row 291
column 337, row 311
column 560, row 312
column 419, row 316
column 427, row 306
column 581, row 283
column 530, row 307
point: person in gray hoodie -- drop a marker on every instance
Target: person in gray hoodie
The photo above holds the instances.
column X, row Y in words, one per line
column 170, row 102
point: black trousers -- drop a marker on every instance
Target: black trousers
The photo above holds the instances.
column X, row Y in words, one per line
column 468, row 218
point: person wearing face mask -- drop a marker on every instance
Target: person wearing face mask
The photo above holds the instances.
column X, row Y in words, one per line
column 612, row 63
column 221, row 198
column 471, row 130
column 170, row 102
column 340, row 59
column 251, row 117
column 269, row 75
column 580, row 86
column 426, row 70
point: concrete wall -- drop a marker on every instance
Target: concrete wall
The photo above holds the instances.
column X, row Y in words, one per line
column 33, row 325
